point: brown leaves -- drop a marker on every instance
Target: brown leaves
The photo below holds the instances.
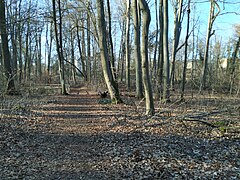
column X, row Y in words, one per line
column 74, row 137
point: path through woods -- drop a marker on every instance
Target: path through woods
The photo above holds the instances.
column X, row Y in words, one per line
column 76, row 137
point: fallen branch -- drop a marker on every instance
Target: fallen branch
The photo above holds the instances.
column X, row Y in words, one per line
column 201, row 121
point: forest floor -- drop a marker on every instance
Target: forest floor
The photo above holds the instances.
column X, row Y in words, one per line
column 81, row 136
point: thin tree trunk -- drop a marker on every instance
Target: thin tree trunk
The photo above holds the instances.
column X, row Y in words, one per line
column 185, row 53
column 73, row 70
column 212, row 17
column 166, row 92
column 177, row 33
column 88, row 46
column 127, row 48
column 156, row 47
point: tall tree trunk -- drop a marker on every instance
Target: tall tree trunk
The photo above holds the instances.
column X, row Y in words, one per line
column 160, row 53
column 112, row 58
column 50, row 50
column 127, row 48
column 88, row 46
column 80, row 53
column 176, row 38
column 145, row 65
column 137, row 55
column 232, row 68
column 39, row 67
column 59, row 45
column 156, row 46
column 185, row 53
column 108, row 75
column 10, row 87
column 73, row 70
column 212, row 17
column 166, row 81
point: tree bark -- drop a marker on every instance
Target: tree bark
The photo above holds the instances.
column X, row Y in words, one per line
column 166, row 81
column 108, row 75
column 59, row 45
column 137, row 55
column 10, row 87
column 212, row 17
column 176, row 38
column 145, row 65
column 185, row 53
column 127, row 41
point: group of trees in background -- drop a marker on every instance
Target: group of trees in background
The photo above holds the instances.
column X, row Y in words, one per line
column 96, row 41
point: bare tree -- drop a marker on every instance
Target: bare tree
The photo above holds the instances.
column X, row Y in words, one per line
column 185, row 53
column 178, row 11
column 108, row 75
column 212, row 18
column 234, row 57
column 127, row 44
column 10, row 87
column 166, row 85
column 145, row 67
column 137, row 55
column 58, row 36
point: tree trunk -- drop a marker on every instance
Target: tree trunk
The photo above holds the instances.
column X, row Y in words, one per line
column 80, row 53
column 108, row 75
column 88, row 46
column 166, row 83
column 156, row 47
column 185, row 53
column 73, row 70
column 137, row 55
column 232, row 72
column 176, row 38
column 145, row 67
column 127, row 49
column 59, row 45
column 10, row 87
column 160, row 53
column 112, row 58
column 212, row 17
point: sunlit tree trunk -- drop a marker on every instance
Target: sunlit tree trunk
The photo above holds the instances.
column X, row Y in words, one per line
column 80, row 53
column 160, row 53
column 145, row 65
column 108, row 75
column 127, row 48
column 137, row 55
column 166, row 69
column 112, row 58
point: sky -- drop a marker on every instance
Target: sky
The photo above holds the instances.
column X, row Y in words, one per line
column 223, row 24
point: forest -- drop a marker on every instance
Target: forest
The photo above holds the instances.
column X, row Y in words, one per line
column 110, row 89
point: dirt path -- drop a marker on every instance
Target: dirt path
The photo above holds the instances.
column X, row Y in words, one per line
column 75, row 137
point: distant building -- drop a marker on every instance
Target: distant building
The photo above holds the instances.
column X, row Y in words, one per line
column 223, row 63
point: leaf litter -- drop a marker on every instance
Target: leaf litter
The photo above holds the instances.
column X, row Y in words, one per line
column 75, row 137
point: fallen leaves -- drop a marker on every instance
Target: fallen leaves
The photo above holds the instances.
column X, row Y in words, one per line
column 74, row 137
